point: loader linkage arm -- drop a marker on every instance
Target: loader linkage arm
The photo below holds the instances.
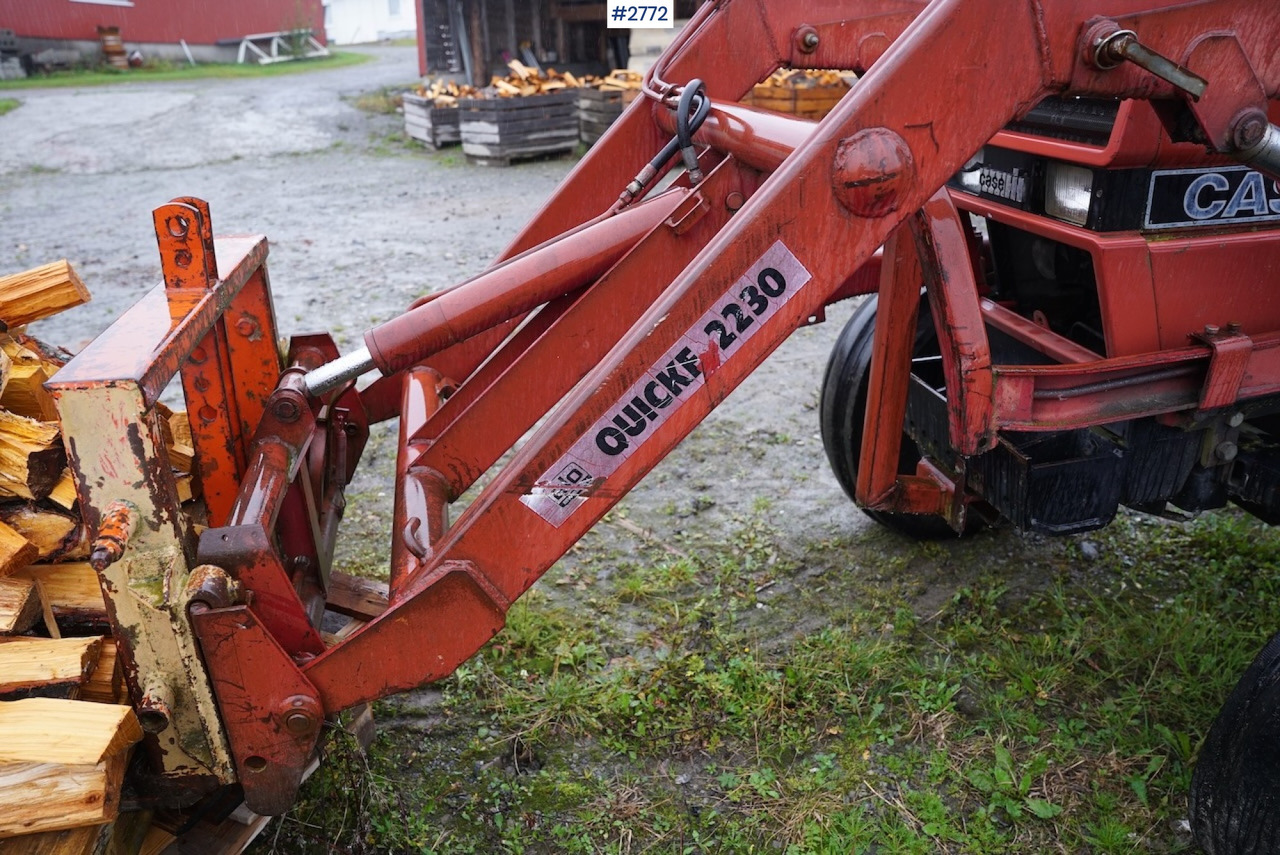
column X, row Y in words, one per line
column 620, row 328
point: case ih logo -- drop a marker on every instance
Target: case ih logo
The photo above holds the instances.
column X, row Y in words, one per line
column 1195, row 197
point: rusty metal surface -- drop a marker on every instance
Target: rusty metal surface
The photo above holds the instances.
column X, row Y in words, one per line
column 942, row 244
column 119, row 522
column 891, row 353
column 106, row 398
column 421, row 512
column 273, row 714
column 143, row 589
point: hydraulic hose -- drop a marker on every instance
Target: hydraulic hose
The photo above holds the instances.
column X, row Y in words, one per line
column 691, row 111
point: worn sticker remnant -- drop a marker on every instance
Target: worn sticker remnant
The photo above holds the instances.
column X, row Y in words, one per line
column 751, row 301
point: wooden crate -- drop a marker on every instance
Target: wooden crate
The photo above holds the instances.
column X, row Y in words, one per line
column 813, row 102
column 499, row 130
column 598, row 108
column 423, row 120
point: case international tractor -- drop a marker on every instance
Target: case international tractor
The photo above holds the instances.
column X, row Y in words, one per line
column 1066, row 213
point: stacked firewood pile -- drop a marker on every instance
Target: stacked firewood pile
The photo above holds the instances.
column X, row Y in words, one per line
column 618, row 80
column 528, row 112
column 807, row 93
column 445, row 93
column 66, row 730
column 523, row 81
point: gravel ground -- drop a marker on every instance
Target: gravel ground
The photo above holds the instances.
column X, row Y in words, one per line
column 360, row 223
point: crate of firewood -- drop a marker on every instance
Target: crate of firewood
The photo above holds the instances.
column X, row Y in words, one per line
column 525, row 114
column 602, row 100
column 431, row 111
column 499, row 130
column 430, row 123
column 807, row 94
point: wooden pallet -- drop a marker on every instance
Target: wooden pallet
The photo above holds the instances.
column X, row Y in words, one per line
column 429, row 123
column 600, row 108
column 497, row 131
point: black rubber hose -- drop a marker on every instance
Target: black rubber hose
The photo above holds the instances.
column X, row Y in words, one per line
column 688, row 119
column 691, row 111
column 692, row 98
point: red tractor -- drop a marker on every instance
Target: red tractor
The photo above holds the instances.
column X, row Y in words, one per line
column 1073, row 310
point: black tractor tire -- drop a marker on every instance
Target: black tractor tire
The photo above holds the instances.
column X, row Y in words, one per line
column 1235, row 789
column 843, row 407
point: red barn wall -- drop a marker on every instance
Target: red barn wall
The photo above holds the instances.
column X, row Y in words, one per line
column 160, row 21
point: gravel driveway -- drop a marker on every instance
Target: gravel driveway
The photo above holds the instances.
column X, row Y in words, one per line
column 360, row 223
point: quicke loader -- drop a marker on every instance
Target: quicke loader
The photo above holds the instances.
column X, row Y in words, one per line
column 1068, row 218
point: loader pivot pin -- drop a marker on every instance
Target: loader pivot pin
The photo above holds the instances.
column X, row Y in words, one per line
column 1112, row 46
column 331, row 375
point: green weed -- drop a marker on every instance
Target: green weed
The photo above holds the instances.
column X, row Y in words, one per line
column 1019, row 711
column 161, row 71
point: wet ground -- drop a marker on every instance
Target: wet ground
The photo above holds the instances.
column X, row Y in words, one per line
column 360, row 223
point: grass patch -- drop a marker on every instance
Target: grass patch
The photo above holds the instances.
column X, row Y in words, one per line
column 385, row 101
column 8, row 105
column 673, row 710
column 163, row 71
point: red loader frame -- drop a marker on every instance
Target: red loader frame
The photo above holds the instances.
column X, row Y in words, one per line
column 615, row 325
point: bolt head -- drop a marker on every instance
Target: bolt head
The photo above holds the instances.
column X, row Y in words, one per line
column 1211, row 329
column 872, row 170
column 299, row 723
column 246, row 327
column 1249, row 129
column 286, row 410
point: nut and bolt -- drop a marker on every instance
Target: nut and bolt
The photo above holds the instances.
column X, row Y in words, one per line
column 1226, row 451
column 286, row 410
column 1211, row 329
column 806, row 39
column 1235, row 420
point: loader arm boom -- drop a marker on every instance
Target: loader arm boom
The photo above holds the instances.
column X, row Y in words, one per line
column 612, row 329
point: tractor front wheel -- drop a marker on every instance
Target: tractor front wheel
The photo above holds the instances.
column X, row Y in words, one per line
column 843, row 409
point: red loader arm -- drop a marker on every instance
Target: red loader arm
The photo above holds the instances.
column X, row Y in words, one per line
column 638, row 318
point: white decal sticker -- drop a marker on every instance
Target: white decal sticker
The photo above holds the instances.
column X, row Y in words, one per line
column 749, row 303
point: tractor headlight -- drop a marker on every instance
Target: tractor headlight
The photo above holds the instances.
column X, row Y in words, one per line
column 1068, row 192
column 970, row 175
